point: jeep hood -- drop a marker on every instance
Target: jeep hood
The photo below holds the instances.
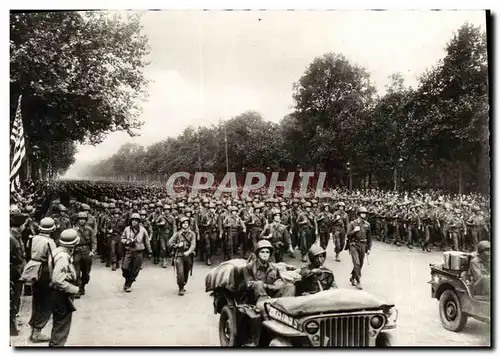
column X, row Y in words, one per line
column 330, row 301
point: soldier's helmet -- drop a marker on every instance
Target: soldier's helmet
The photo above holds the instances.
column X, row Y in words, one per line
column 112, row 206
column 483, row 246
column 283, row 204
column 275, row 212
column 143, row 212
column 362, row 209
column 341, row 203
column 81, row 215
column 105, row 205
column 85, row 207
column 263, row 244
column 184, row 219
column 69, row 238
column 307, row 204
column 458, row 211
column 61, row 207
column 211, row 206
column 314, row 251
column 29, row 209
column 232, row 208
column 167, row 207
column 117, row 211
column 135, row 216
column 47, row 225
column 180, row 205
column 205, row 201
column 159, row 204
column 188, row 210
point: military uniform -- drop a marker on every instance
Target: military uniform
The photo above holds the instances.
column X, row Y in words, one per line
column 360, row 242
column 184, row 244
column 82, row 259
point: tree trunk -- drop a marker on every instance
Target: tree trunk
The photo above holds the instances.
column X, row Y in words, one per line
column 460, row 178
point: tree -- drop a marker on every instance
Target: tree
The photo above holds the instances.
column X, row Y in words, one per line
column 332, row 100
column 80, row 74
column 452, row 110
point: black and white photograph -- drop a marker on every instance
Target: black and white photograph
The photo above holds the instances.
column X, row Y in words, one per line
column 250, row 178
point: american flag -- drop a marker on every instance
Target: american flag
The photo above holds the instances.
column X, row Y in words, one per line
column 17, row 140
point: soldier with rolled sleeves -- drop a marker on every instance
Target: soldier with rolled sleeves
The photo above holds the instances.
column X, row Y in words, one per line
column 324, row 221
column 135, row 238
column 308, row 230
column 37, row 272
column 232, row 225
column 278, row 235
column 210, row 230
column 17, row 263
column 183, row 243
column 64, row 284
column 146, row 224
column 359, row 243
column 476, row 225
column 170, row 230
column 84, row 252
column 256, row 224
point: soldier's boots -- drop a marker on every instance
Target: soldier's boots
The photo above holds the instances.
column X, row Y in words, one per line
column 113, row 266
column 358, row 285
column 209, row 261
column 182, row 291
column 304, row 258
column 37, row 336
column 337, row 257
column 127, row 288
column 164, row 263
column 353, row 281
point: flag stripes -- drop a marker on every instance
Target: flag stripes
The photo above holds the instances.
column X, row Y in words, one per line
column 17, row 137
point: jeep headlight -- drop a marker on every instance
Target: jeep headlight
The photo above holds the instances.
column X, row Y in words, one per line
column 392, row 318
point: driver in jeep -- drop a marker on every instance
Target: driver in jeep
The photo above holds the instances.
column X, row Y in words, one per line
column 479, row 269
column 314, row 272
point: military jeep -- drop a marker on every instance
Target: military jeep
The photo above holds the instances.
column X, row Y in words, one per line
column 329, row 318
column 451, row 286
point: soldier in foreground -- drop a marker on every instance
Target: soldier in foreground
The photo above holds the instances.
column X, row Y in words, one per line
column 135, row 238
column 360, row 242
column 64, row 283
column 37, row 270
column 17, row 263
column 183, row 243
column 480, row 269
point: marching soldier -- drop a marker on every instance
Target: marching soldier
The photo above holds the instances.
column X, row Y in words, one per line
column 135, row 238
column 278, row 235
column 183, row 243
column 324, row 221
column 308, row 230
column 359, row 243
column 231, row 223
column 113, row 233
column 256, row 224
column 146, row 224
column 65, row 287
column 340, row 221
column 82, row 259
column 211, row 229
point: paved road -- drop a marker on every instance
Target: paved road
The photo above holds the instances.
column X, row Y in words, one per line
column 153, row 314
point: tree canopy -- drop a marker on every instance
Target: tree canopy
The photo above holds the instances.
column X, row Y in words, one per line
column 80, row 75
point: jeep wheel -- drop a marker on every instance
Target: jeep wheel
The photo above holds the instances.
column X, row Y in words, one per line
column 450, row 311
column 227, row 327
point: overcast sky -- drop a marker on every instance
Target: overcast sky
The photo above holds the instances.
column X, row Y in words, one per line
column 216, row 64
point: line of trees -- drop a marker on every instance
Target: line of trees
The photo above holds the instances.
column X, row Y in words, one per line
column 433, row 136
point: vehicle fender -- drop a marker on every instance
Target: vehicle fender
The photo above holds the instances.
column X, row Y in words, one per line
column 282, row 329
column 460, row 290
column 280, row 342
